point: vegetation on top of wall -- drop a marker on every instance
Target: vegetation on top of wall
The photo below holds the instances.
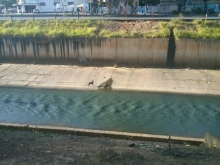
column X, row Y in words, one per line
column 110, row 29
column 196, row 29
column 80, row 28
column 49, row 28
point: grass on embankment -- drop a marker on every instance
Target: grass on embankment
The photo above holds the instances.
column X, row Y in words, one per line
column 197, row 29
column 75, row 28
column 92, row 28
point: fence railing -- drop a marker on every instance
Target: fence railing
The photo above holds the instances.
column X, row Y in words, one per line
column 158, row 16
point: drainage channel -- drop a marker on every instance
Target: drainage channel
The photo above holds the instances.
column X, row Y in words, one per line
column 145, row 113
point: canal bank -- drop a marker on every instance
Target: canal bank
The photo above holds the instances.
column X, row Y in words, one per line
column 185, row 81
column 103, row 133
column 36, row 147
column 72, row 147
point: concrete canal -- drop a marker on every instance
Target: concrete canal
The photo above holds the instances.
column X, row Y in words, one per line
column 151, row 113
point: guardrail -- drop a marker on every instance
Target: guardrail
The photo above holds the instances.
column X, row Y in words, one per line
column 157, row 16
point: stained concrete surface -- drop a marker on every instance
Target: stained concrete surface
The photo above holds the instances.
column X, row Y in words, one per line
column 188, row 81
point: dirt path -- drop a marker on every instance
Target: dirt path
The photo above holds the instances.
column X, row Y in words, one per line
column 26, row 147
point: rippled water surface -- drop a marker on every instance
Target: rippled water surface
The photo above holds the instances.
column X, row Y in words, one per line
column 151, row 113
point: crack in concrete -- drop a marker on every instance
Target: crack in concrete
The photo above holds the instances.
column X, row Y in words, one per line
column 2, row 76
column 31, row 81
column 38, row 74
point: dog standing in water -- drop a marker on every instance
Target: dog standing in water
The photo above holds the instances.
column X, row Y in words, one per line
column 91, row 83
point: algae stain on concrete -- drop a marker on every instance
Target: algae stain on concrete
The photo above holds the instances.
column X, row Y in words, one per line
column 106, row 52
column 53, row 42
column 23, row 48
column 2, row 48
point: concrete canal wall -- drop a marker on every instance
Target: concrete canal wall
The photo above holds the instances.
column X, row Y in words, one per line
column 130, row 52
column 198, row 53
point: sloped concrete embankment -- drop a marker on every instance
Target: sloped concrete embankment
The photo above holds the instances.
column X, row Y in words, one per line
column 130, row 52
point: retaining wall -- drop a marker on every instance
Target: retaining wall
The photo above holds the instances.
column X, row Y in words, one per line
column 83, row 51
column 197, row 53
column 130, row 52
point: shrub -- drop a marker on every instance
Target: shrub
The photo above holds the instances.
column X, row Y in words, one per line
column 178, row 21
column 164, row 25
column 136, row 34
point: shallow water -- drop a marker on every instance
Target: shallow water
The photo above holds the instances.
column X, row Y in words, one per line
column 164, row 114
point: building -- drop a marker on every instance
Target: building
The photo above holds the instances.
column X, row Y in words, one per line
column 211, row 4
column 171, row 5
column 122, row 7
column 118, row 7
column 46, row 6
